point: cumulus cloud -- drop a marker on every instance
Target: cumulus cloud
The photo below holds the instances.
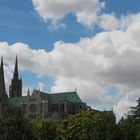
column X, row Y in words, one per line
column 88, row 13
column 8, row 75
column 92, row 65
column 40, row 86
column 57, row 10
column 126, row 99
column 111, row 22
column 88, row 89
column 108, row 22
column 55, row 25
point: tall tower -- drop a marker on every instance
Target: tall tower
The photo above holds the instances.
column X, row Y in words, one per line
column 15, row 89
column 3, row 95
column 2, row 82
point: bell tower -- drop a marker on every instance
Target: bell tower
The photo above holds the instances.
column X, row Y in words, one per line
column 15, row 89
column 3, row 94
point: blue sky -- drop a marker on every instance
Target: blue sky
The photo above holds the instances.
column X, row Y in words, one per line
column 19, row 22
column 91, row 46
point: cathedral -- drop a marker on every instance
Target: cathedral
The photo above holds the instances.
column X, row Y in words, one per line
column 38, row 104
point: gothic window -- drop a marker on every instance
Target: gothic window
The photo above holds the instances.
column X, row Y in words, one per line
column 33, row 108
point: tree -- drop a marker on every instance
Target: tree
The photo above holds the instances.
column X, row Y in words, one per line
column 127, row 127
column 44, row 129
column 130, row 126
column 16, row 129
column 90, row 125
column 136, row 111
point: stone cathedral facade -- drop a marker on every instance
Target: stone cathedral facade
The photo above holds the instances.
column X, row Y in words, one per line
column 38, row 104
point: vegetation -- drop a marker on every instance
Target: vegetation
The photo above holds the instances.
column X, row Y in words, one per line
column 131, row 125
column 87, row 125
column 44, row 130
column 16, row 129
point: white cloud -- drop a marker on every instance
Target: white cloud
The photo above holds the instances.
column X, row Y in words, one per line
column 86, row 20
column 57, row 10
column 8, row 75
column 126, row 99
column 88, row 13
column 108, row 22
column 25, row 90
column 126, row 21
column 55, row 25
column 87, row 89
column 111, row 22
column 40, row 86
column 92, row 65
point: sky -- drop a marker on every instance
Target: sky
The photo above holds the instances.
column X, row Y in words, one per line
column 91, row 46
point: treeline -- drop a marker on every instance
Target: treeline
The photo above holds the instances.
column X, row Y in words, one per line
column 87, row 125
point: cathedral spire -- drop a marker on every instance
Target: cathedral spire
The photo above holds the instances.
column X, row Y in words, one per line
column 2, row 63
column 16, row 69
column 28, row 93
column 15, row 89
column 2, row 82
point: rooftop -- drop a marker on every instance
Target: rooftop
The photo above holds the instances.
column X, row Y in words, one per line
column 52, row 98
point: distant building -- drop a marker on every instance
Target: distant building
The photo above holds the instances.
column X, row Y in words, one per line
column 38, row 104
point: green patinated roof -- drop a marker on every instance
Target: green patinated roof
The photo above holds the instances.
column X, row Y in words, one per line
column 70, row 96
column 55, row 98
column 52, row 98
column 16, row 101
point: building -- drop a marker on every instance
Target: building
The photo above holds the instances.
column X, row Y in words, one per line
column 38, row 104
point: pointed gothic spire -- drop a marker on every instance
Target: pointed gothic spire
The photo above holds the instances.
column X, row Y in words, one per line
column 16, row 83
column 28, row 93
column 16, row 69
column 2, row 81
column 2, row 62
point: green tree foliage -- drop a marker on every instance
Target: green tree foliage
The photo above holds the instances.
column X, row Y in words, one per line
column 90, row 125
column 136, row 112
column 15, row 129
column 127, row 128
column 130, row 127
column 44, row 129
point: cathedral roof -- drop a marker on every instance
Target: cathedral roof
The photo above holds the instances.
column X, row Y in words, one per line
column 55, row 98
column 16, row 102
column 52, row 98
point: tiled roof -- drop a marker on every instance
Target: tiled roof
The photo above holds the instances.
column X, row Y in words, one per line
column 55, row 98
column 52, row 98
column 15, row 102
column 70, row 96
